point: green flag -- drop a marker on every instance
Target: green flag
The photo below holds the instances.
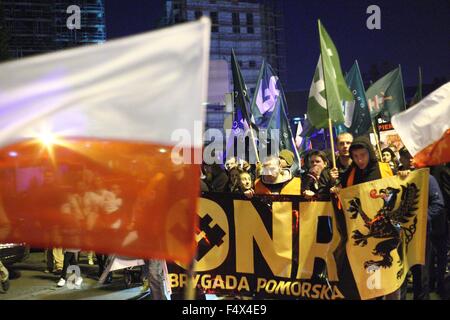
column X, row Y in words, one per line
column 386, row 96
column 328, row 88
column 418, row 96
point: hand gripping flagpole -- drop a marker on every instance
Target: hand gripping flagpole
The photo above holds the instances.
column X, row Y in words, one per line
column 189, row 291
column 330, row 127
column 376, row 140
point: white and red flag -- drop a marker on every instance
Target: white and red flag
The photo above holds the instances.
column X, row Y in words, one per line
column 425, row 128
column 85, row 144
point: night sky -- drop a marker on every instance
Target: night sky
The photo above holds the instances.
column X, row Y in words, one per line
column 412, row 33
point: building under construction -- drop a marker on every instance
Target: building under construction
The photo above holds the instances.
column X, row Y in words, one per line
column 33, row 27
column 254, row 29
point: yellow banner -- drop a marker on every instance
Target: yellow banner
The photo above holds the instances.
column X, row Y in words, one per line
column 386, row 223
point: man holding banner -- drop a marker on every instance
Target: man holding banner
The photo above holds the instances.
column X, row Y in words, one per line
column 365, row 166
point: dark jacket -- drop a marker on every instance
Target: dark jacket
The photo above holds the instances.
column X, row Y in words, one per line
column 319, row 186
column 371, row 172
column 218, row 181
column 436, row 209
column 442, row 175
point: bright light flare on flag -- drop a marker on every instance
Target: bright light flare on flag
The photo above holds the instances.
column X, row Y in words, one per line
column 83, row 164
column 47, row 139
column 103, row 195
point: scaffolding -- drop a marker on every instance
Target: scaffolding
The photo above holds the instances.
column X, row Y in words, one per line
column 261, row 38
column 35, row 27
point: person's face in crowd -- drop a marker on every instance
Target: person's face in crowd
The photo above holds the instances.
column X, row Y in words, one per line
column 387, row 157
column 208, row 172
column 317, row 165
column 407, row 161
column 234, row 176
column 245, row 181
column 344, row 143
column 230, row 163
column 271, row 169
column 361, row 157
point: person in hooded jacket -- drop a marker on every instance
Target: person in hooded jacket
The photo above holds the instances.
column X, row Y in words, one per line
column 365, row 165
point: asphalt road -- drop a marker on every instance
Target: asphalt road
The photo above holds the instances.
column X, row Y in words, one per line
column 29, row 282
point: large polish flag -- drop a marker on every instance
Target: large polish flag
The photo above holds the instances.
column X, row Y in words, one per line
column 86, row 141
column 425, row 128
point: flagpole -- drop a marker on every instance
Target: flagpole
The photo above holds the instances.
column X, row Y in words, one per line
column 295, row 144
column 189, row 291
column 251, row 131
column 247, row 116
column 420, row 83
column 290, row 131
column 403, row 87
column 376, row 140
column 330, row 127
column 254, row 142
column 250, row 128
column 296, row 153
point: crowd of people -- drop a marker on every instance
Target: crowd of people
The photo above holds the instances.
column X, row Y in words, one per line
column 357, row 161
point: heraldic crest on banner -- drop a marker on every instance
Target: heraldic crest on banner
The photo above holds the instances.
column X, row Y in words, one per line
column 390, row 224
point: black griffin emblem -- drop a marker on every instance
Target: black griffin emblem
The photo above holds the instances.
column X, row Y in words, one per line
column 388, row 224
column 212, row 236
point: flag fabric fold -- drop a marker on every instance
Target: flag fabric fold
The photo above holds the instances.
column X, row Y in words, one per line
column 241, row 94
column 328, row 89
column 86, row 139
column 386, row 96
column 425, row 128
column 418, row 95
column 357, row 116
column 241, row 114
column 298, row 135
column 269, row 110
column 386, row 222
